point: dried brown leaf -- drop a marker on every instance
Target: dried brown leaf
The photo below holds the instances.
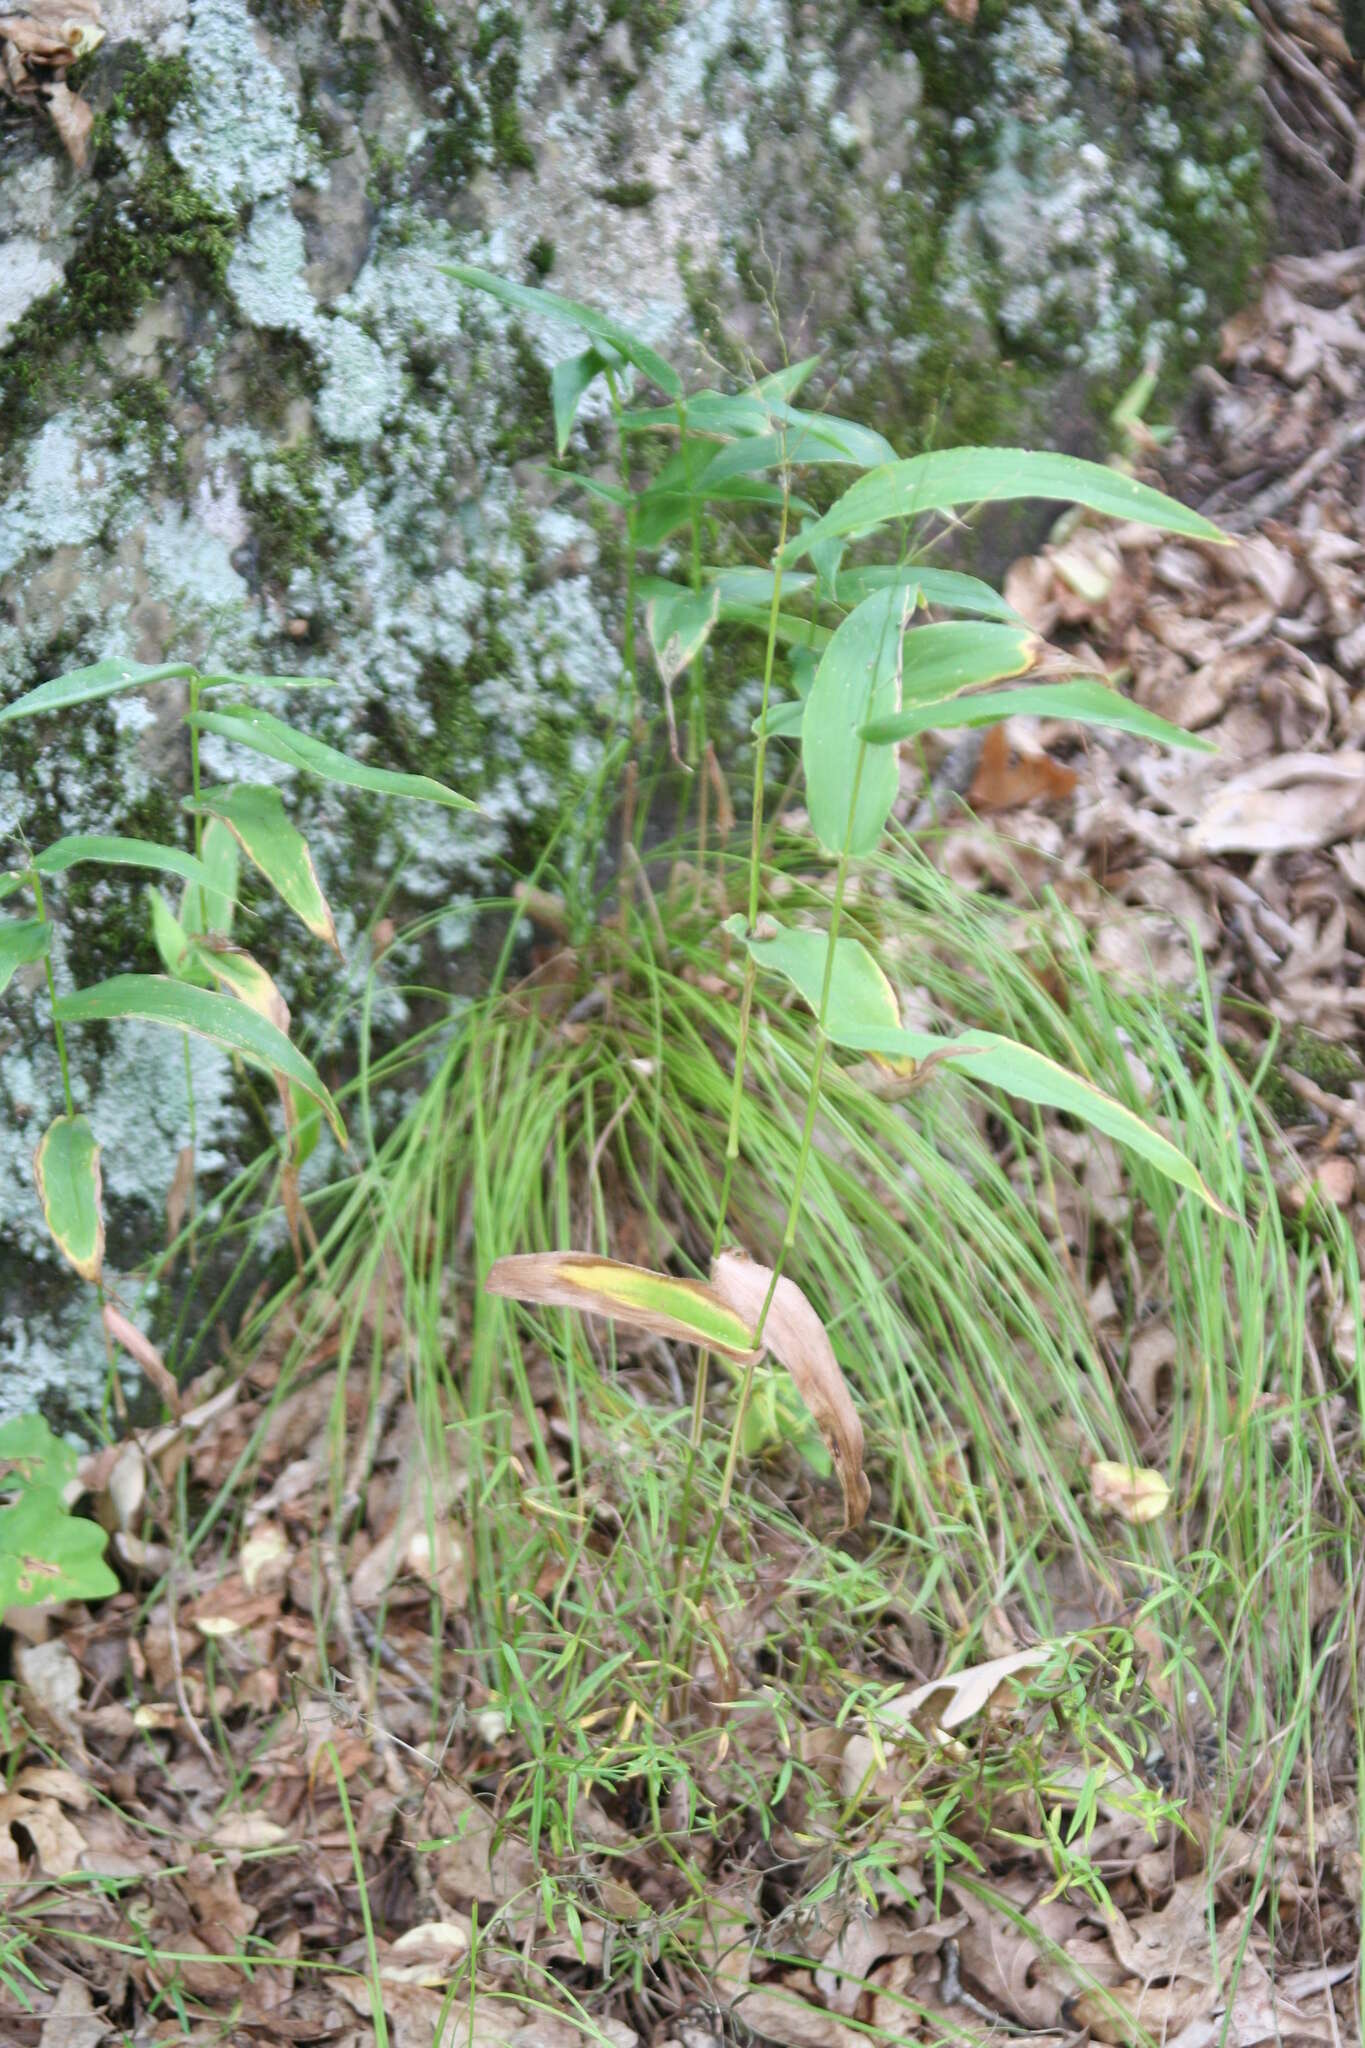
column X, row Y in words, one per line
column 795, row 1334
column 686, row 1311
column 1003, row 782
column 144, row 1352
column 1291, row 803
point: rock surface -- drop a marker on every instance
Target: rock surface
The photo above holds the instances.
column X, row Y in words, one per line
column 244, row 416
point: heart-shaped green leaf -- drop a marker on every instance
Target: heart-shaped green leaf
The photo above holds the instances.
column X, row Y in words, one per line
column 48, row 1555
column 30, row 1455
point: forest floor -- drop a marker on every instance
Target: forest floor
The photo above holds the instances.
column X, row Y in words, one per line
column 423, row 1722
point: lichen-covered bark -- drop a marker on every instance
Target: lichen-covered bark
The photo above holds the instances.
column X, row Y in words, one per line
column 245, row 415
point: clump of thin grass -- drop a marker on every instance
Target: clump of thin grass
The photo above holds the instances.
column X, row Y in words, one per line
column 587, row 1108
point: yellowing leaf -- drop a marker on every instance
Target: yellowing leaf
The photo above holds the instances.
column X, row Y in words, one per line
column 67, row 1169
column 255, row 815
column 1134, row 1491
column 795, row 1334
column 686, row 1310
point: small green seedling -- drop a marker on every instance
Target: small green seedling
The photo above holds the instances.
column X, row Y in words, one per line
column 211, row 988
column 45, row 1552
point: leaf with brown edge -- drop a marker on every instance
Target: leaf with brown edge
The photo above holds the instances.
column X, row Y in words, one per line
column 255, row 815
column 687, row 1311
column 66, row 1166
column 795, row 1334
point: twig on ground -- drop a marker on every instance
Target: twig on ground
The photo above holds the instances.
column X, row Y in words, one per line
column 1350, row 434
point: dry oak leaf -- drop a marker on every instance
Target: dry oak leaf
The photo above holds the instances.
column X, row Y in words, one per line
column 71, row 2020
column 37, row 43
column 1002, row 783
column 1292, row 803
column 58, row 1844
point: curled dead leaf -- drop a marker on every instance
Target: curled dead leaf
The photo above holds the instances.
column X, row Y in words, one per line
column 795, row 1334
column 145, row 1353
column 685, row 1310
column 1134, row 1491
column 38, row 42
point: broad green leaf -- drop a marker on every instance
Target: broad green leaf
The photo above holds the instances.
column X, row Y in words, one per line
column 685, row 1310
column 22, row 941
column 234, row 969
column 860, row 996
column 952, row 477
column 66, row 1166
column 789, row 628
column 804, row 439
column 803, row 666
column 945, row 587
column 679, row 622
column 255, row 815
column 157, row 999
column 568, row 382
column 720, row 415
column 525, row 298
column 727, row 415
column 117, row 852
column 242, row 679
column 660, row 512
column 784, row 720
column 610, row 494
column 940, row 660
column 851, row 786
column 211, row 909
column 784, row 384
column 170, row 937
column 862, row 1016
column 84, row 685
column 268, row 735
column 754, row 586
column 49, row 1555
column 1033, row 1077
column 1085, row 701
column 30, row 1455
column 307, row 1124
